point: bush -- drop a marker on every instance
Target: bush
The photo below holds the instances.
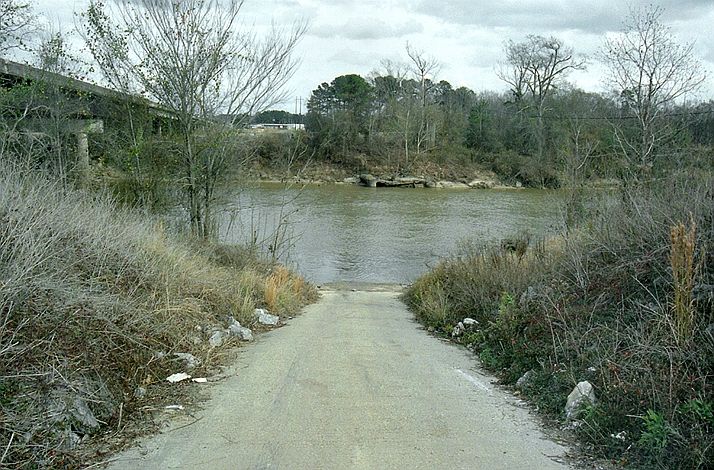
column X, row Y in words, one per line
column 471, row 283
column 512, row 166
column 90, row 296
column 623, row 300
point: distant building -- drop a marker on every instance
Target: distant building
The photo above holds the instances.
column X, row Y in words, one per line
column 277, row 127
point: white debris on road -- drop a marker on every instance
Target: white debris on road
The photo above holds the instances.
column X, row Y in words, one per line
column 176, row 378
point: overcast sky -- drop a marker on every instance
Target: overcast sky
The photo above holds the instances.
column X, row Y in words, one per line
column 467, row 36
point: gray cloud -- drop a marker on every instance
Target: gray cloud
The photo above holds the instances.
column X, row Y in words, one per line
column 352, row 36
column 365, row 29
column 358, row 60
column 552, row 15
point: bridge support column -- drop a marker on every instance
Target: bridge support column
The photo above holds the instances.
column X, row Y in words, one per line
column 82, row 166
column 81, row 129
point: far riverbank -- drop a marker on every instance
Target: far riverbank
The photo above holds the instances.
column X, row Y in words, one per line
column 427, row 176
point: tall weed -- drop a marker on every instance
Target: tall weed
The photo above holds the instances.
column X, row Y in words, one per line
column 682, row 252
column 92, row 297
column 623, row 300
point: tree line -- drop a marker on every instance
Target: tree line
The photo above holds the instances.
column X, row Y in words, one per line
column 543, row 130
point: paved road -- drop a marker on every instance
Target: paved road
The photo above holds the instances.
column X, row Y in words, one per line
column 353, row 383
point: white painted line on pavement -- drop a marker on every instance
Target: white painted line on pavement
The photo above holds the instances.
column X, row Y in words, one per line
column 474, row 381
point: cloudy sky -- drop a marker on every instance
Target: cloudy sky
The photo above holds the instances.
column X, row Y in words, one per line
column 466, row 36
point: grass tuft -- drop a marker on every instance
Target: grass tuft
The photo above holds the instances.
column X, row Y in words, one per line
column 682, row 252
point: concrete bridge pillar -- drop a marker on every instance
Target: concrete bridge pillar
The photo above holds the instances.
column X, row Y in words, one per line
column 82, row 166
column 81, row 129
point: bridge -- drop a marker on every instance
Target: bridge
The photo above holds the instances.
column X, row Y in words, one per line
column 89, row 111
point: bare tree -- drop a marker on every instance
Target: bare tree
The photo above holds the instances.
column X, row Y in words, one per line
column 515, row 71
column 38, row 117
column 54, row 54
column 109, row 47
column 16, row 20
column 425, row 68
column 650, row 72
column 534, row 68
column 196, row 59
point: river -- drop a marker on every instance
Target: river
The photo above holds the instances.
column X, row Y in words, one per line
column 350, row 233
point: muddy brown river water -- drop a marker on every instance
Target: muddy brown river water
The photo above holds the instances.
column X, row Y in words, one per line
column 380, row 235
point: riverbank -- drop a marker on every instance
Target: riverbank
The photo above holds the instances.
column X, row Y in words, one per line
column 426, row 175
column 606, row 328
column 100, row 307
column 429, row 176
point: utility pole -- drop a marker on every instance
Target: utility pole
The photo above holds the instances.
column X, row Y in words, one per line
column 297, row 117
column 300, row 116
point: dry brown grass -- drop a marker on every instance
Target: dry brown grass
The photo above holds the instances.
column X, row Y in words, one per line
column 274, row 284
column 682, row 252
column 470, row 283
column 89, row 295
column 281, row 287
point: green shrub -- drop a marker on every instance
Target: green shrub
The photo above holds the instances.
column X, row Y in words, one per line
column 489, row 359
column 623, row 300
column 656, row 434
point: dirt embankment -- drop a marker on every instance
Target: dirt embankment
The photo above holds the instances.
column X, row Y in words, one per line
column 426, row 175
